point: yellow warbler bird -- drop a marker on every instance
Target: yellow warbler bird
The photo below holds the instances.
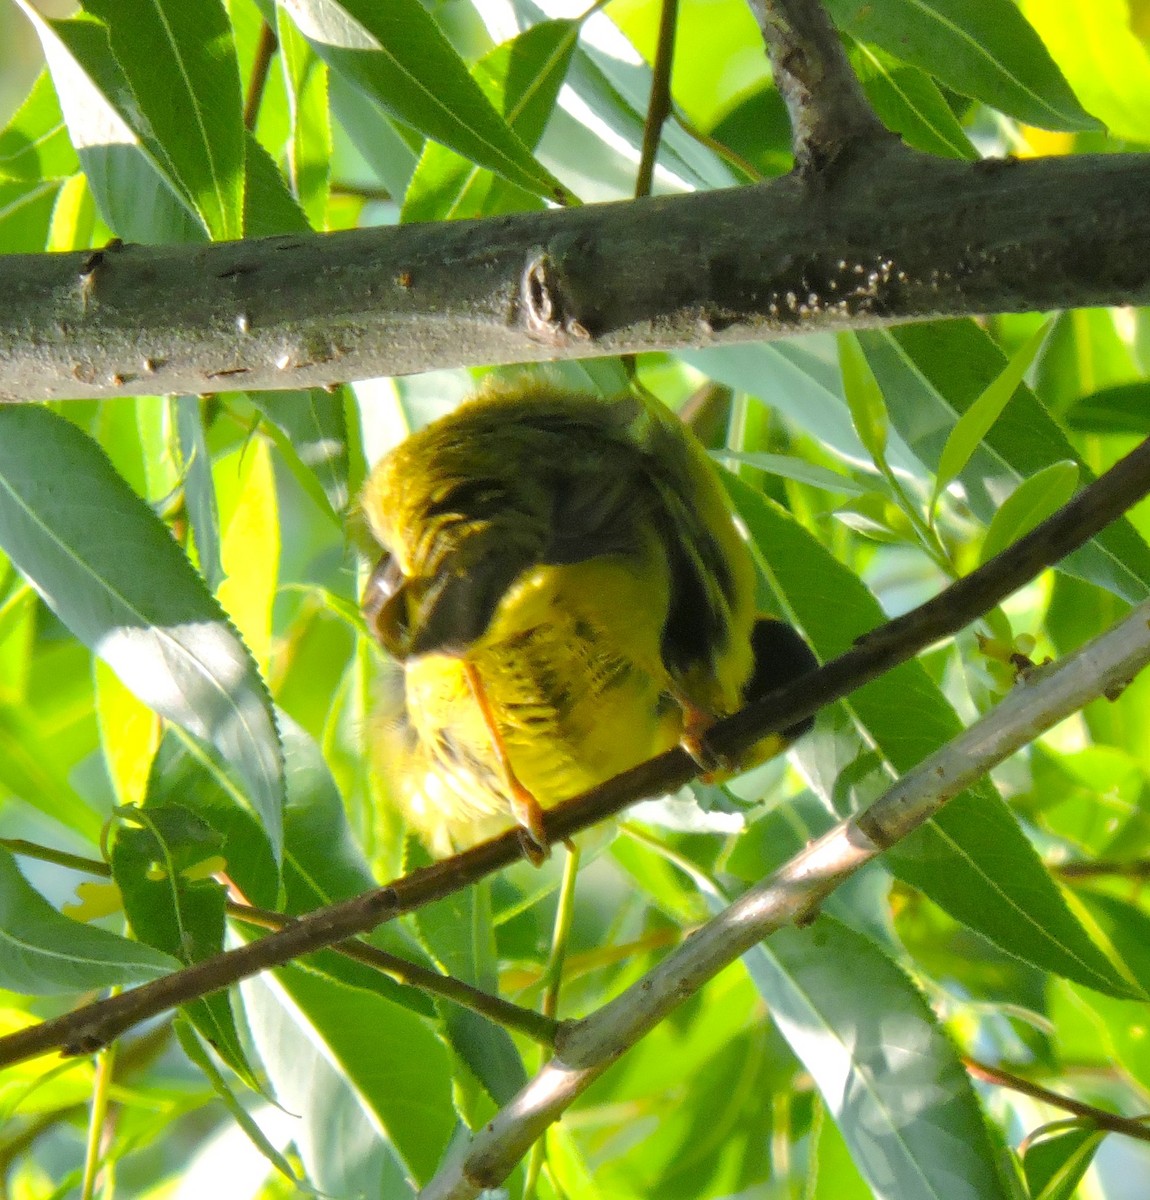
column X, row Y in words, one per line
column 565, row 587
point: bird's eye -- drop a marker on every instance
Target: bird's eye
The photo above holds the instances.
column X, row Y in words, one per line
column 384, row 581
column 472, row 497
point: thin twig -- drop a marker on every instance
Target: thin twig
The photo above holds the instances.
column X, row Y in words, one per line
column 95, row 1025
column 539, row 1027
column 1135, row 1127
column 1135, row 868
column 261, row 64
column 659, row 104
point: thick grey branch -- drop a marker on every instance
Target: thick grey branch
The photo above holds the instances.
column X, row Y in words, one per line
column 897, row 237
column 586, row 1048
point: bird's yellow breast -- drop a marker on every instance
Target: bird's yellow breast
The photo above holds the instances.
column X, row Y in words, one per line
column 574, row 679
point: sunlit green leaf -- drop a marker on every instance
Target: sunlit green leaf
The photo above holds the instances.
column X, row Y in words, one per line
column 113, row 574
column 397, row 56
column 179, row 62
column 44, row 952
column 891, row 1078
column 1029, row 505
column 985, row 50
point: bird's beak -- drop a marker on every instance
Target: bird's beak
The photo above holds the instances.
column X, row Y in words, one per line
column 385, row 605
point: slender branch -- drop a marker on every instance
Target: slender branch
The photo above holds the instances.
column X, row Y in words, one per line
column 1095, row 507
column 829, row 110
column 61, row 858
column 261, row 64
column 887, row 237
column 659, row 105
column 1135, row 868
column 538, row 1027
column 586, row 1048
column 1135, row 1127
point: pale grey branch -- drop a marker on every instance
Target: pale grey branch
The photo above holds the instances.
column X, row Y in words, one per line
column 886, row 237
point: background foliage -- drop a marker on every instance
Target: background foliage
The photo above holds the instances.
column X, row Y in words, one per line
column 175, row 715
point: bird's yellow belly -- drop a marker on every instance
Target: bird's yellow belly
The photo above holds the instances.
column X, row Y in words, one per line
column 575, row 685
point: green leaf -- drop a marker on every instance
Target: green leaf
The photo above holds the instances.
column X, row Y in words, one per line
column 787, row 466
column 930, row 374
column 158, row 861
column 1056, row 1165
column 112, row 573
column 909, row 102
column 130, row 178
column 180, row 63
column 977, row 421
column 393, row 1068
column 43, row 952
column 889, row 1075
column 1101, row 55
column 1029, row 505
column 34, row 145
column 310, row 146
column 1121, row 409
column 397, row 55
column 864, row 397
column 521, row 78
column 199, row 488
column 29, row 773
column 26, row 214
column 269, row 207
column 198, row 1054
column 314, row 442
column 979, row 48
column 831, row 1169
column 802, row 381
column 971, row 859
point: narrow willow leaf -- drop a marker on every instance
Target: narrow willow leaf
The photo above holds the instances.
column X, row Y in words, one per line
column 522, row 79
column 985, row 50
column 398, row 1078
column 1056, row 1165
column 1124, row 408
column 110, row 570
column 198, row 1053
column 314, row 441
column 930, row 374
column 909, row 102
column 1099, row 50
column 199, row 487
column 34, row 145
column 972, row 859
column 887, row 1072
column 977, row 421
column 789, row 467
column 864, row 397
column 1029, row 505
column 310, row 146
column 397, row 55
column 42, row 952
column 139, row 196
column 180, row 62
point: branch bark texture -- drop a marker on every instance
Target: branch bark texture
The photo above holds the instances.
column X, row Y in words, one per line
column 884, row 237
